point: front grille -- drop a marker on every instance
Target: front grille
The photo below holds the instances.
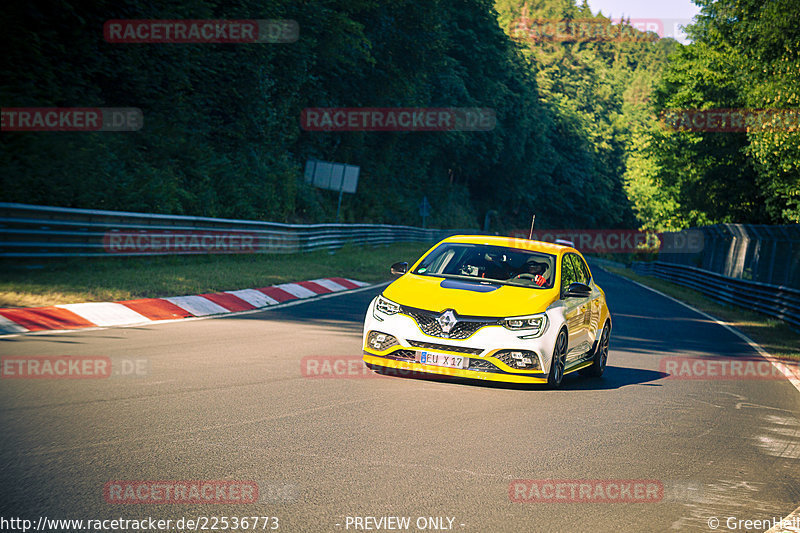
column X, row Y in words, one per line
column 481, row 365
column 428, row 324
column 447, row 347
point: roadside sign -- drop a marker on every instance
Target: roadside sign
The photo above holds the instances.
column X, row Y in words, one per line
column 424, row 209
column 332, row 176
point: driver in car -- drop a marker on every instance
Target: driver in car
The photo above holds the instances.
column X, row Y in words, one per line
column 534, row 270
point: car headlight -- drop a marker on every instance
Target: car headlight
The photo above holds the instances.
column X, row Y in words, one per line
column 533, row 325
column 386, row 306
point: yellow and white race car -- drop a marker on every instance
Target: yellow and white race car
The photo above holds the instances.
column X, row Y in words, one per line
column 491, row 308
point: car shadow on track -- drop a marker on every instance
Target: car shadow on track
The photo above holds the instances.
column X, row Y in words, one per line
column 614, row 378
column 346, row 312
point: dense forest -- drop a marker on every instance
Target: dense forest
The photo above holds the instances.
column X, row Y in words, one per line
column 745, row 54
column 578, row 139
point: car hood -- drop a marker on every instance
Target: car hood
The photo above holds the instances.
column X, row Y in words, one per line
column 470, row 298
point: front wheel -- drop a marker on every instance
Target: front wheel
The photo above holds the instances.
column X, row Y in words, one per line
column 600, row 355
column 556, row 375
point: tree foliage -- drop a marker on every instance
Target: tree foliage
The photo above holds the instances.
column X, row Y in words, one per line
column 222, row 133
column 744, row 55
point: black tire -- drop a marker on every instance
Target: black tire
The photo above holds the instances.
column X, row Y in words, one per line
column 556, row 375
column 598, row 365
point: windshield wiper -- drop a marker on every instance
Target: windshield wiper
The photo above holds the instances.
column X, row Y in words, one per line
column 512, row 282
column 460, row 276
column 488, row 281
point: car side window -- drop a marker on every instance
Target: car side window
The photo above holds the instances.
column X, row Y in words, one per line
column 581, row 270
column 568, row 273
column 586, row 273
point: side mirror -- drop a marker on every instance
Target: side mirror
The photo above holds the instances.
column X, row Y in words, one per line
column 398, row 269
column 578, row 290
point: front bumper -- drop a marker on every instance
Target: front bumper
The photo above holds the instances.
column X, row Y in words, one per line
column 409, row 367
column 484, row 349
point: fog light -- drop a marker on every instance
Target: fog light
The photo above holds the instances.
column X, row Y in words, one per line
column 519, row 359
column 380, row 341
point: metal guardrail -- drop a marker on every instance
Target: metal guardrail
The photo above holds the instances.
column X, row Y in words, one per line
column 30, row 231
column 769, row 254
column 777, row 301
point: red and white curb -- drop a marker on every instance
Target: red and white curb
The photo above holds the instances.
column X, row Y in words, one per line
column 131, row 312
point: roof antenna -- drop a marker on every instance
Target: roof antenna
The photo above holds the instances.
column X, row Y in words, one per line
column 530, row 235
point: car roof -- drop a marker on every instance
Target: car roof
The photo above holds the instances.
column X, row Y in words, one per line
column 511, row 242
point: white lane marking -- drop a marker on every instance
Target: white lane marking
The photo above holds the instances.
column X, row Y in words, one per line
column 297, row 290
column 793, row 378
column 9, row 326
column 106, row 313
column 254, row 297
column 328, row 284
column 197, row 305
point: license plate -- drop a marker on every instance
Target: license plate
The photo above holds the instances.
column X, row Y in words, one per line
column 440, row 359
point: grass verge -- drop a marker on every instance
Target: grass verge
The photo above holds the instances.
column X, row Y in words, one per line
column 86, row 279
column 772, row 334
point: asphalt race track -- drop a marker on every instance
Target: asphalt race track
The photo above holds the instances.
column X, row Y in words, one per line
column 227, row 399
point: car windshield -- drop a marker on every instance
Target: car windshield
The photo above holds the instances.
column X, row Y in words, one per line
column 496, row 264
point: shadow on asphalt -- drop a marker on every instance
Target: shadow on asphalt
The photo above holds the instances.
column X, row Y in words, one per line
column 346, row 311
column 613, row 378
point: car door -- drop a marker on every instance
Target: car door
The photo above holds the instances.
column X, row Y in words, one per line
column 595, row 302
column 576, row 309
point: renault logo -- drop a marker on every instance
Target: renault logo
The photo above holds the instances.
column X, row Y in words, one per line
column 447, row 321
